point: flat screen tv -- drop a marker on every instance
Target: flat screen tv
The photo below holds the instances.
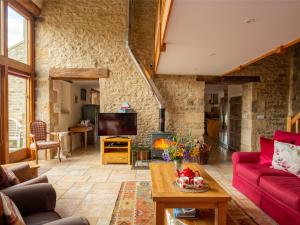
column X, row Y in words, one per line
column 117, row 124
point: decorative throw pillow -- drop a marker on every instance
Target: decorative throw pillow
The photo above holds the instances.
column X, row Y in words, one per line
column 12, row 178
column 286, row 157
column 266, row 151
column 10, row 212
column 7, row 178
column 4, row 182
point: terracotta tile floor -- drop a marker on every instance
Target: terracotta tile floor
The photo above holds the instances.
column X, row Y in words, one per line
column 86, row 188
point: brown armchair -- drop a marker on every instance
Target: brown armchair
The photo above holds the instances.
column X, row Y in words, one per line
column 38, row 135
column 36, row 204
column 24, row 174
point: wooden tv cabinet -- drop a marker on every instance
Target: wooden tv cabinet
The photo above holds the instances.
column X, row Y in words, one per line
column 116, row 150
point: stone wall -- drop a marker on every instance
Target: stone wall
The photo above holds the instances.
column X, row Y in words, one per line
column 67, row 37
column 295, row 81
column 247, row 137
column 184, row 98
column 77, row 34
column 143, row 31
column 265, row 104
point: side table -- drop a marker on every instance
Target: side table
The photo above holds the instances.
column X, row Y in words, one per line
column 140, row 157
column 80, row 129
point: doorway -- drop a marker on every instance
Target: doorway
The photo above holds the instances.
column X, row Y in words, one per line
column 215, row 111
column 75, row 105
column 223, row 115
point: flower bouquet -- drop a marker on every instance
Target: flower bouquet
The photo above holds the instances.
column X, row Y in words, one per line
column 181, row 148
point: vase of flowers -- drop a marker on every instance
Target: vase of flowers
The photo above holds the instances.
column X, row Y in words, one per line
column 180, row 149
column 178, row 164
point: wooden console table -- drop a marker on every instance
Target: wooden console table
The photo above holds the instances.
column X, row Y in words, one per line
column 79, row 129
column 116, row 150
column 167, row 196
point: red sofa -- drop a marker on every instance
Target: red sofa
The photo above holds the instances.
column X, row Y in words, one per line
column 275, row 192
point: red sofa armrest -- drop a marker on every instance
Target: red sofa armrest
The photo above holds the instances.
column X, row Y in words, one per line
column 243, row 157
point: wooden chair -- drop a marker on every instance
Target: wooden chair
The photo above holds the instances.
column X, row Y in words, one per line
column 38, row 134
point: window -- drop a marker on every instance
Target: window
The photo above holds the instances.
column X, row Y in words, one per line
column 1, row 28
column 16, row 79
column 17, row 39
column 17, row 112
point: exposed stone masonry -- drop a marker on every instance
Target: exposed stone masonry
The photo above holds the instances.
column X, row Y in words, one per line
column 268, row 99
column 185, row 103
column 296, row 81
column 143, row 31
column 76, row 34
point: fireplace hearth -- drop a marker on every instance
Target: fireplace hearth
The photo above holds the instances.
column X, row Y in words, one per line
column 159, row 140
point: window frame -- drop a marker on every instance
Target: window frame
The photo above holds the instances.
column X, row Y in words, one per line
column 28, row 17
column 13, row 67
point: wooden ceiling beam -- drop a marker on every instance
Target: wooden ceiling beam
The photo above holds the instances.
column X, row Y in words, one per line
column 279, row 50
column 78, row 73
column 228, row 79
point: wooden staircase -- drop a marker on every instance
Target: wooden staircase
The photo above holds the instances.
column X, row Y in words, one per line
column 293, row 123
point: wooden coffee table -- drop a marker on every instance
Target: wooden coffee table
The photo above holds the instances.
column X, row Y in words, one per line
column 167, row 196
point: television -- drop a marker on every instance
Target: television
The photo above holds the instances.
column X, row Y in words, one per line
column 117, row 124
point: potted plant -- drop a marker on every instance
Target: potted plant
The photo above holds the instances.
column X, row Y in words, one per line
column 204, row 150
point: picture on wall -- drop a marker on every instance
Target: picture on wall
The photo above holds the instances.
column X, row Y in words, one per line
column 83, row 94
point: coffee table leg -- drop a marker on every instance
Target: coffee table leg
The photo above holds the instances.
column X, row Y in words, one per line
column 221, row 214
column 85, row 140
column 159, row 214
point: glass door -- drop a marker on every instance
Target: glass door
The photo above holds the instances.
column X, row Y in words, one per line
column 17, row 113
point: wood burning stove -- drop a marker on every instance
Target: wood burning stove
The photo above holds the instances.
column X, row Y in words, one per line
column 159, row 142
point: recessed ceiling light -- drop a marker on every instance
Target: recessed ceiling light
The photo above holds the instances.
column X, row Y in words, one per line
column 250, row 20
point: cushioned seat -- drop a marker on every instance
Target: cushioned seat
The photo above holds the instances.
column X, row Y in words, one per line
column 252, row 172
column 45, row 144
column 285, row 189
column 41, row 218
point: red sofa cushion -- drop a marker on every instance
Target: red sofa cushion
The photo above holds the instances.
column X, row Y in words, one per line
column 252, row 172
column 285, row 189
column 287, row 137
column 266, row 151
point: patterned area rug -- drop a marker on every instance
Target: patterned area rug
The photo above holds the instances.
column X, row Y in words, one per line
column 134, row 206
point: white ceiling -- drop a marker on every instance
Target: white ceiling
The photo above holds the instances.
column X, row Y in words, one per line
column 211, row 37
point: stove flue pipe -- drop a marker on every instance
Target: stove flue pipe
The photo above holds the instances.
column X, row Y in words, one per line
column 148, row 80
column 162, row 119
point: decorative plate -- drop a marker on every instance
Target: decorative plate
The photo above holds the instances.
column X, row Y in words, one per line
column 192, row 189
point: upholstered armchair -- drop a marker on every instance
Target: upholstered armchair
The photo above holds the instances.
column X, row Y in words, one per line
column 38, row 135
column 24, row 174
column 36, row 204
